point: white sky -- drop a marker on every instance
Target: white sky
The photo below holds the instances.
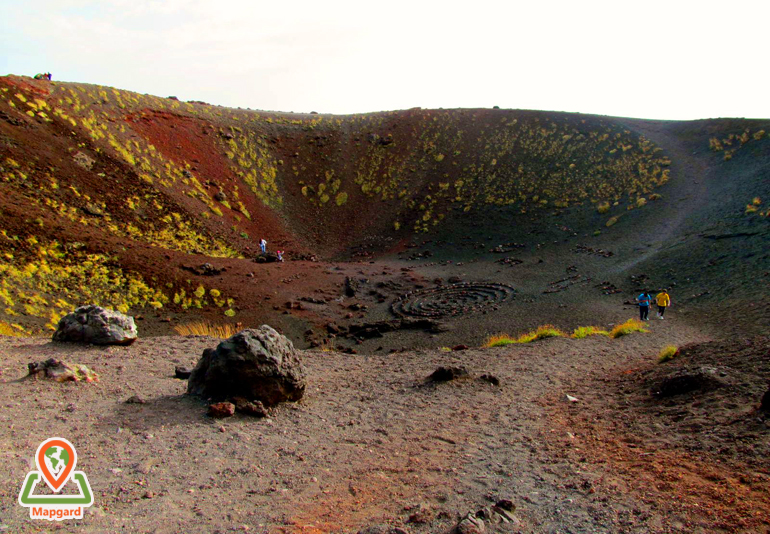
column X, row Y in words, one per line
column 651, row 59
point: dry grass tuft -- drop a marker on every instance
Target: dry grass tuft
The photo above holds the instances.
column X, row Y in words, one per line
column 542, row 332
column 668, row 353
column 204, row 328
column 585, row 331
column 630, row 326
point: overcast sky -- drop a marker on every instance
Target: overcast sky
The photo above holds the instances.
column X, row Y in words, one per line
column 651, row 59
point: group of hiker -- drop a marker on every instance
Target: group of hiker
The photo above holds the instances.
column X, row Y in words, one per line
column 645, row 300
column 263, row 248
column 43, row 76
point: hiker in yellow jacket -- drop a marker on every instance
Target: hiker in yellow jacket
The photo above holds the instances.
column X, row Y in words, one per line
column 663, row 300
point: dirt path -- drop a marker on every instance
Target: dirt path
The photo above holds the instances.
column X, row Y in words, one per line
column 370, row 443
column 684, row 195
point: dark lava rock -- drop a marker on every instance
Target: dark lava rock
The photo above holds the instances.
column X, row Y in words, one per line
column 351, row 287
column 460, row 347
column 135, row 400
column 96, row 325
column 183, row 373
column 204, row 269
column 220, row 410
column 267, row 257
column 689, row 380
column 445, row 374
column 258, row 363
column 492, row 379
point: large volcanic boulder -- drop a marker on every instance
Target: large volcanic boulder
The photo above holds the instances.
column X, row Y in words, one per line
column 97, row 325
column 256, row 364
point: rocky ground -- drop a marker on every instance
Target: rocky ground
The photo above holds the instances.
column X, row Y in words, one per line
column 373, row 442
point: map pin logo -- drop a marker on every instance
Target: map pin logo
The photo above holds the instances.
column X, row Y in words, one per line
column 56, row 458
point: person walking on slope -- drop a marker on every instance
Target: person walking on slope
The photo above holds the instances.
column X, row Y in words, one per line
column 644, row 301
column 263, row 245
column 664, row 301
column 279, row 253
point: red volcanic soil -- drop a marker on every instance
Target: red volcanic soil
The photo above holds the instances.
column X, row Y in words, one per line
column 183, row 139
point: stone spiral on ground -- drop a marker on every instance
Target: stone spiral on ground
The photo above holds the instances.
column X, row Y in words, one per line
column 451, row 300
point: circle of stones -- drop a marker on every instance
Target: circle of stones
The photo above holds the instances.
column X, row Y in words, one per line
column 451, row 300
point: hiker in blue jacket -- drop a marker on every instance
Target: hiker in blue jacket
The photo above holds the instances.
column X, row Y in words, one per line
column 644, row 300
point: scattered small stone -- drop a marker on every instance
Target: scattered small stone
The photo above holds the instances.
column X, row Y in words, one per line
column 181, row 372
column 421, row 516
column 252, row 408
column 382, row 529
column 445, row 374
column 62, row 371
column 492, row 379
column 148, row 495
column 220, row 410
column 471, row 524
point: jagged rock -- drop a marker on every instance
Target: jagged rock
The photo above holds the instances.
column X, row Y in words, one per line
column 62, row 371
column 97, row 325
column 220, row 196
column 471, row 524
column 445, row 374
column 220, row 410
column 247, row 407
column 258, row 363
